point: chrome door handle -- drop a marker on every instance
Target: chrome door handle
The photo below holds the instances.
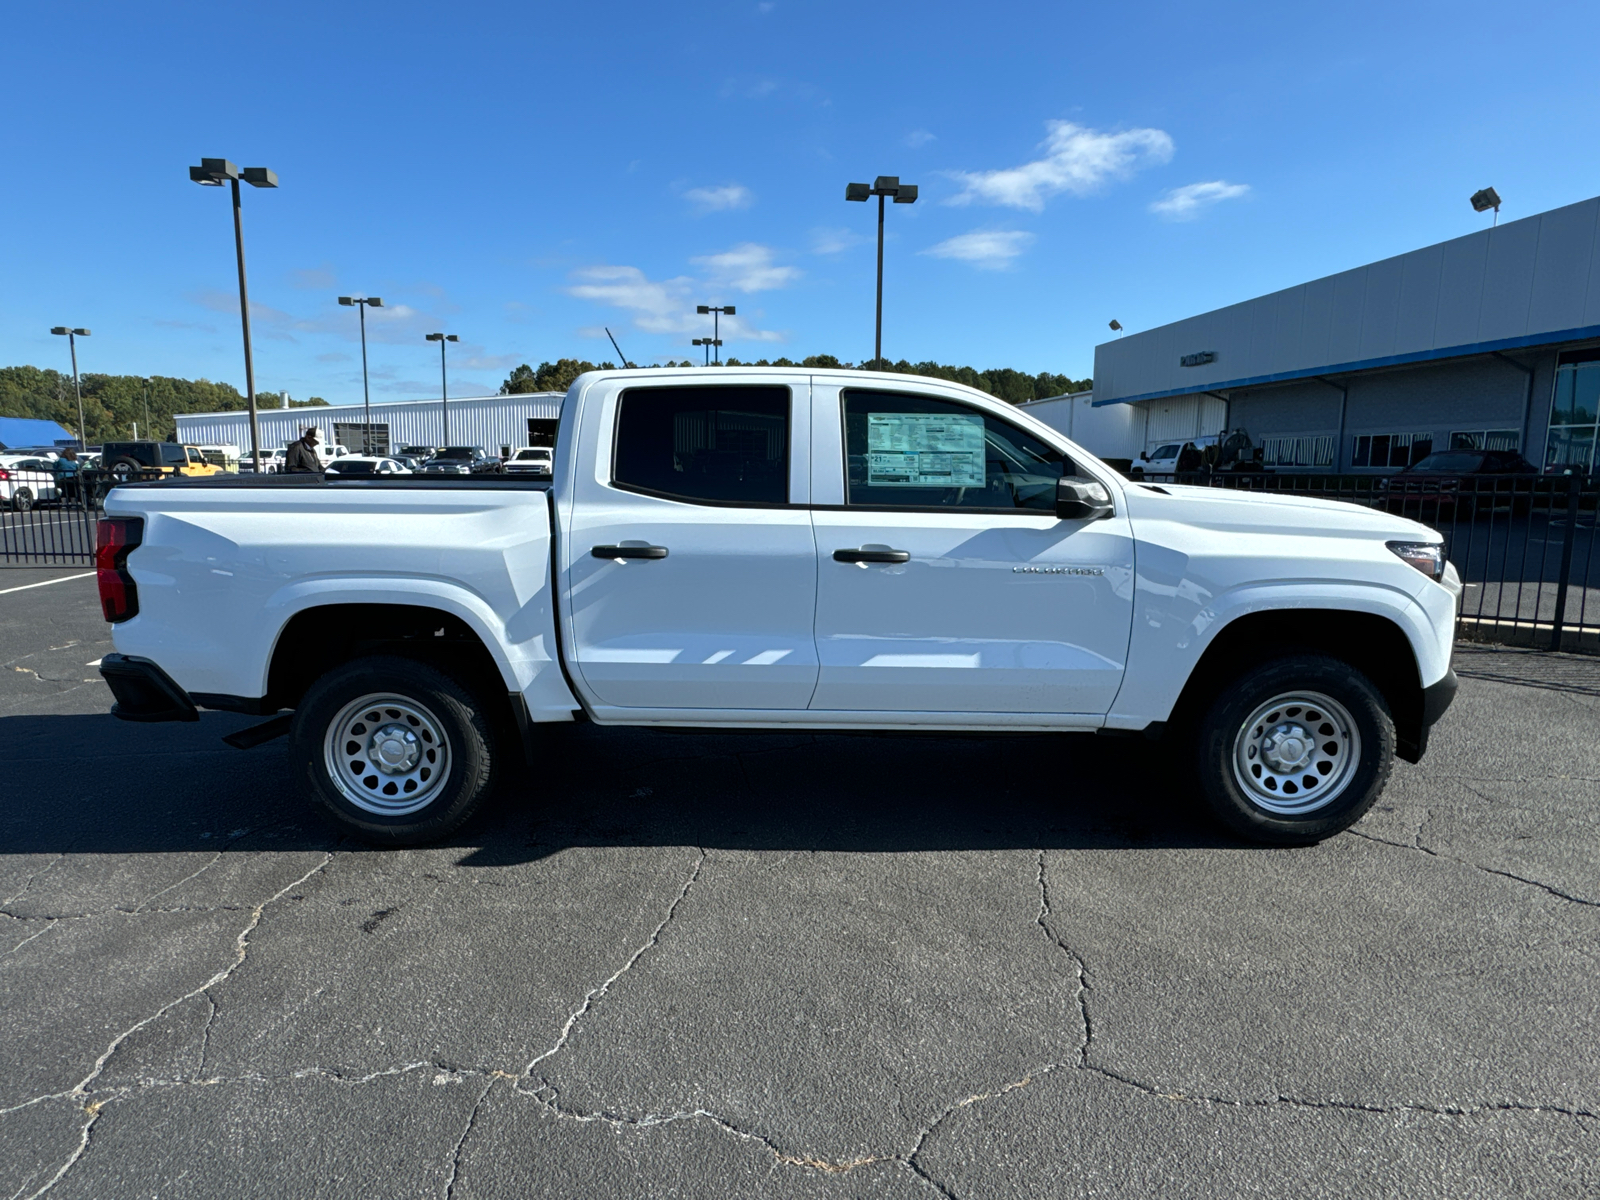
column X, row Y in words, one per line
column 872, row 556
column 629, row 551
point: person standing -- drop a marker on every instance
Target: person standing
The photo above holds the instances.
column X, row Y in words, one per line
column 66, row 469
column 301, row 457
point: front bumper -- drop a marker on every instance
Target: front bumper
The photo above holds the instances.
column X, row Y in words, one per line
column 144, row 691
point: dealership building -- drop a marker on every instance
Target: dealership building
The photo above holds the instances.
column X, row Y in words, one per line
column 1490, row 341
column 493, row 422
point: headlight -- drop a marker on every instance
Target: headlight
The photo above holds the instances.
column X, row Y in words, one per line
column 1427, row 557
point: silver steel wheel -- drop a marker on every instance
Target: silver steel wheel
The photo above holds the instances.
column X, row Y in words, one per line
column 388, row 754
column 1296, row 753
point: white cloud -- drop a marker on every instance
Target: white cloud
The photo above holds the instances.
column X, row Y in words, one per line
column 834, row 241
column 720, row 199
column 1185, row 203
column 748, row 267
column 1076, row 160
column 664, row 306
column 988, row 250
column 918, row 138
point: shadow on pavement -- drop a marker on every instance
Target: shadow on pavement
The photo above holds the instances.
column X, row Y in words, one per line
column 93, row 784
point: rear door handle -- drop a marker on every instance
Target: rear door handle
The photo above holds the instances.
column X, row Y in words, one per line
column 872, row 556
column 629, row 551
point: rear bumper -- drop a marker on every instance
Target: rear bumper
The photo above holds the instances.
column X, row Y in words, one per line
column 144, row 691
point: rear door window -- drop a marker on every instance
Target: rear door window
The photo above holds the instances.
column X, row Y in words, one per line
column 708, row 445
column 909, row 451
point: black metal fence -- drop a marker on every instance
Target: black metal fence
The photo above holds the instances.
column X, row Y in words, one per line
column 1525, row 545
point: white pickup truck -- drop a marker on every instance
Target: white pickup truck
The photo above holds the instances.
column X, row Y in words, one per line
column 781, row 549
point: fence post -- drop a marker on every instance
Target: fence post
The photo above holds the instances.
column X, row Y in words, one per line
column 1573, row 484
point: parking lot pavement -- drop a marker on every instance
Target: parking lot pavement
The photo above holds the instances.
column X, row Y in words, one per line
column 772, row 966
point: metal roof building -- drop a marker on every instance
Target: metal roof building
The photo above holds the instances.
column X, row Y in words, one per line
column 1491, row 340
column 487, row 421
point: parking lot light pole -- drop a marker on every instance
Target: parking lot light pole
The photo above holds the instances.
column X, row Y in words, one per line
column 366, row 396
column 716, row 329
column 708, row 343
column 72, row 336
column 213, row 172
column 900, row 193
column 444, row 383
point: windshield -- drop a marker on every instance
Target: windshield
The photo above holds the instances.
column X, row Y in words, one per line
column 1450, row 460
column 354, row 468
column 456, row 452
column 526, row 454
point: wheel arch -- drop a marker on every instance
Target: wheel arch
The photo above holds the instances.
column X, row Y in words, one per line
column 320, row 637
column 1376, row 645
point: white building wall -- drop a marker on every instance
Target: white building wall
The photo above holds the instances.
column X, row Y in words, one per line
column 1525, row 279
column 1116, row 431
column 487, row 421
column 1181, row 419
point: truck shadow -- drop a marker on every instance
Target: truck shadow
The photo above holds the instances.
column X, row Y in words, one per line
column 92, row 784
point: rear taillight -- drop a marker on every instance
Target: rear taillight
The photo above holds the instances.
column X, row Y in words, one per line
column 4, row 474
column 115, row 537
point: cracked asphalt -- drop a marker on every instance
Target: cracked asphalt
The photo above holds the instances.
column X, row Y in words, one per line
column 783, row 966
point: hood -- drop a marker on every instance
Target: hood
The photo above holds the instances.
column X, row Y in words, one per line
column 1267, row 512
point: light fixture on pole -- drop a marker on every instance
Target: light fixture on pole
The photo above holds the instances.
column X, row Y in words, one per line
column 708, row 343
column 444, row 384
column 716, row 329
column 72, row 336
column 214, row 172
column 900, row 193
column 1116, row 325
column 1484, row 199
column 363, row 302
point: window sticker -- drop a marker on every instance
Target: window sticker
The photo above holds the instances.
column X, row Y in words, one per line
column 924, row 450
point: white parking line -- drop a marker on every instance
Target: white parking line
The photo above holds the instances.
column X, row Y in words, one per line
column 45, row 583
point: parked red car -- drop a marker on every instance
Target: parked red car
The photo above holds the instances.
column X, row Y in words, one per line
column 1452, row 483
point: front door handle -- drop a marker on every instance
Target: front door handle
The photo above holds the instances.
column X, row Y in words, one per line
column 629, row 551
column 872, row 556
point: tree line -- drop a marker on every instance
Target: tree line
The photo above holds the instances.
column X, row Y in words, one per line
column 1015, row 387
column 112, row 404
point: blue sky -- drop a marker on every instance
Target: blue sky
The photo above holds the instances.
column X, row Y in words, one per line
column 523, row 175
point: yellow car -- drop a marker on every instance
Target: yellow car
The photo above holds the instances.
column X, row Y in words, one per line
column 150, row 460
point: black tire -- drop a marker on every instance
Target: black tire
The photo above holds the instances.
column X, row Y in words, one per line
column 21, row 500
column 1348, row 754
column 122, row 470
column 454, row 727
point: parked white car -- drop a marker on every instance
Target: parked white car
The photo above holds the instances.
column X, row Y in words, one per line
column 363, row 464
column 768, row 548
column 530, row 460
column 26, row 480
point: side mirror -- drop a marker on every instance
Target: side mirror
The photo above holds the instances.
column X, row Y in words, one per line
column 1079, row 499
column 1144, row 456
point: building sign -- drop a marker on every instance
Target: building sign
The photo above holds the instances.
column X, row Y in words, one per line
column 1198, row 359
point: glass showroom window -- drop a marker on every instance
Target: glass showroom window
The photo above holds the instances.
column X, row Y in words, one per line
column 1570, row 445
column 1486, row 439
column 1391, row 449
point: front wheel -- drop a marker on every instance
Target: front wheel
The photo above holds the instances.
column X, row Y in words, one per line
column 1295, row 750
column 399, row 753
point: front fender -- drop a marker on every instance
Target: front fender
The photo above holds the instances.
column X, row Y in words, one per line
column 1172, row 631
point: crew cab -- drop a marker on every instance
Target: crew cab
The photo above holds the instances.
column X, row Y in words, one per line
column 767, row 548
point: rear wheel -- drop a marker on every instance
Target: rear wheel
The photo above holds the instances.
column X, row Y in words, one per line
column 1295, row 750
column 22, row 500
column 397, row 751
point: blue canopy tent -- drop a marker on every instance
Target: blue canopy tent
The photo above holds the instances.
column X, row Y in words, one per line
column 26, row 433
